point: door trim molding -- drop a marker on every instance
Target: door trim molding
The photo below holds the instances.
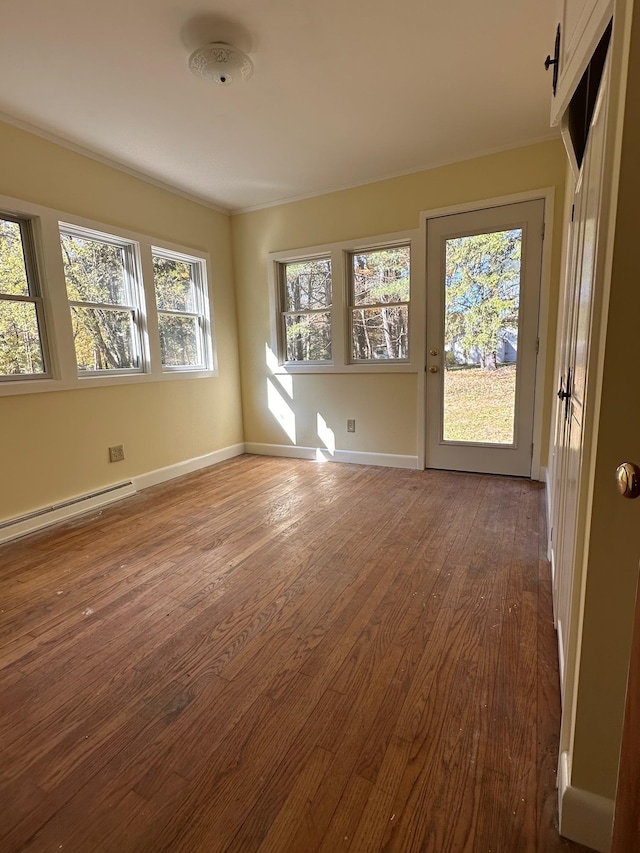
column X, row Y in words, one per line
column 585, row 817
column 548, row 195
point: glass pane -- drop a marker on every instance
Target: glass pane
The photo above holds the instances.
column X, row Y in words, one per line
column 103, row 339
column 381, row 276
column 308, row 285
column 179, row 341
column 20, row 349
column 94, row 271
column 308, row 337
column 174, row 284
column 380, row 333
column 482, row 303
column 13, row 272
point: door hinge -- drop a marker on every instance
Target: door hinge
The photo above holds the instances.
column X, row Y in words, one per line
column 532, row 446
column 544, row 228
column 537, row 345
column 573, row 211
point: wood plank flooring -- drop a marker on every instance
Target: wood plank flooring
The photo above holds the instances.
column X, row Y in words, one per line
column 277, row 655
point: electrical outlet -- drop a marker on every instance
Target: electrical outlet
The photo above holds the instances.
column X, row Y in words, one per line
column 116, row 453
column 351, row 425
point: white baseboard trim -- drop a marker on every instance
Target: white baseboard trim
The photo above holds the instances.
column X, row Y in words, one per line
column 160, row 475
column 14, row 528
column 320, row 454
column 81, row 504
column 584, row 817
column 552, row 564
column 544, row 477
column 560, row 656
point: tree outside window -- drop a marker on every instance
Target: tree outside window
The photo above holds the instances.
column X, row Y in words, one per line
column 380, row 296
column 21, row 338
column 306, row 297
column 102, row 289
column 482, row 298
column 179, row 283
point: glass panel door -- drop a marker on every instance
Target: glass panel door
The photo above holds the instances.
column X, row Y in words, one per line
column 481, row 319
column 483, row 287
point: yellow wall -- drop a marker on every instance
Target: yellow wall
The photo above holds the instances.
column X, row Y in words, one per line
column 54, row 444
column 69, row 457
column 379, row 208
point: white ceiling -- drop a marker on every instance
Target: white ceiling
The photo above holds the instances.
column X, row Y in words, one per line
column 344, row 91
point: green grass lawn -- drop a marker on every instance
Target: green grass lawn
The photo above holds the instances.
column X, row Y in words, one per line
column 479, row 404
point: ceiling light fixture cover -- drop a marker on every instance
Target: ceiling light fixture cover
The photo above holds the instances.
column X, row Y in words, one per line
column 220, row 63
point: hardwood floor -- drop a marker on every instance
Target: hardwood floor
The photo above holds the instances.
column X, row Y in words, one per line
column 275, row 655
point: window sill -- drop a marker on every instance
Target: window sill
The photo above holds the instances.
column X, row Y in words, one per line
column 364, row 367
column 15, row 387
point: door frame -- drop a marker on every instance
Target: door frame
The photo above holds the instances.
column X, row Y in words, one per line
column 513, row 455
column 548, row 195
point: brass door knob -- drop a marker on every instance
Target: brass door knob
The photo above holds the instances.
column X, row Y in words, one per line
column 433, row 369
column 628, row 480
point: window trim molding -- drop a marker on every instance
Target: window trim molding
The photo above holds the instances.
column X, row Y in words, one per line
column 340, row 254
column 34, row 283
column 371, row 305
column 63, row 374
column 203, row 317
column 136, row 306
column 279, row 272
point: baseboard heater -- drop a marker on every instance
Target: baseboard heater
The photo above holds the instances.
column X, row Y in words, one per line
column 31, row 521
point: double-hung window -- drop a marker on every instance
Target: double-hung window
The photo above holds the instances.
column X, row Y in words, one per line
column 305, row 288
column 22, row 339
column 379, row 304
column 180, row 284
column 105, row 297
column 125, row 308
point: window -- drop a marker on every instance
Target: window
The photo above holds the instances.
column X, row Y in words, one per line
column 380, row 286
column 305, row 297
column 103, row 289
column 125, row 308
column 22, row 350
column 344, row 307
column 183, row 310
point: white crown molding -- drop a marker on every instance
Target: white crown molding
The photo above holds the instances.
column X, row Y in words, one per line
column 547, row 137
column 206, row 202
column 108, row 161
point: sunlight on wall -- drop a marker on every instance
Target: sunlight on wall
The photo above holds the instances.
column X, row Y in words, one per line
column 278, row 405
column 326, row 436
column 280, row 409
column 285, row 380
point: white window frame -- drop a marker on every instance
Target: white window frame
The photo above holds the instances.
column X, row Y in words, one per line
column 340, row 254
column 28, row 242
column 63, row 373
column 201, row 315
column 135, row 304
column 373, row 305
column 280, row 272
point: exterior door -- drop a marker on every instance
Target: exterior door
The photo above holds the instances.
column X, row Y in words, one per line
column 483, row 291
